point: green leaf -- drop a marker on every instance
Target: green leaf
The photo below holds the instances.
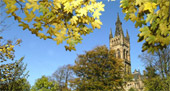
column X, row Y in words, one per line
column 144, row 32
column 151, row 39
column 124, row 3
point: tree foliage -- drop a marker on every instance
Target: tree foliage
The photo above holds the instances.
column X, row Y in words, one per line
column 153, row 18
column 14, row 77
column 19, row 85
column 157, row 74
column 152, row 80
column 6, row 54
column 97, row 70
column 132, row 89
column 59, row 20
column 6, row 49
column 63, row 75
column 45, row 84
column 160, row 60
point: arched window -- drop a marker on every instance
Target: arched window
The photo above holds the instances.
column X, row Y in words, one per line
column 118, row 52
column 124, row 54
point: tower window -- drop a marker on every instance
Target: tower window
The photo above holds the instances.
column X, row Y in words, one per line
column 124, row 56
column 118, row 51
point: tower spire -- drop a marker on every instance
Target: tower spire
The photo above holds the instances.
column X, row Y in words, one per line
column 118, row 19
column 119, row 30
column 110, row 35
column 127, row 34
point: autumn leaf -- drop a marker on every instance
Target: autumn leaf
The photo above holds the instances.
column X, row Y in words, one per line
column 96, row 24
column 144, row 32
column 73, row 20
column 32, row 4
column 150, row 6
column 29, row 17
column 81, row 12
column 153, row 22
column 47, row 19
column 25, row 26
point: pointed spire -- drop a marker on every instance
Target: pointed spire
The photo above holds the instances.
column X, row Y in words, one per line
column 110, row 35
column 127, row 34
column 118, row 19
column 119, row 31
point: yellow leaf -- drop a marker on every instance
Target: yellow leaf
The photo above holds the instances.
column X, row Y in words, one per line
column 73, row 20
column 56, row 4
column 96, row 24
column 68, row 7
column 90, row 8
column 16, row 17
column 149, row 6
column 12, row 9
column 29, row 16
column 37, row 25
column 11, row 46
column 33, row 4
column 59, row 39
column 133, row 17
column 41, row 35
column 25, row 26
column 69, row 41
column 28, row 6
column 60, row 36
column 76, row 3
column 50, row 31
column 81, row 12
column 96, row 14
column 76, row 35
column 139, row 2
column 70, row 48
column 9, row 3
column 100, row 6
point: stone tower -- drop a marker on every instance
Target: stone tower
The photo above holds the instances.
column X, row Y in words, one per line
column 121, row 45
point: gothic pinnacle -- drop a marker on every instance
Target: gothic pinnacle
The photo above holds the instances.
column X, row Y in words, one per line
column 118, row 19
column 127, row 34
column 110, row 35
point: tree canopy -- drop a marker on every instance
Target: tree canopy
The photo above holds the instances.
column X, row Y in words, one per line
column 98, row 69
column 153, row 18
column 157, row 73
column 68, row 20
column 13, row 77
column 63, row 75
column 45, row 84
column 59, row 20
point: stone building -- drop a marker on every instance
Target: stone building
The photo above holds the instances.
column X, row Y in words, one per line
column 121, row 45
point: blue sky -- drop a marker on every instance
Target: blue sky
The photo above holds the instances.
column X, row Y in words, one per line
column 43, row 57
